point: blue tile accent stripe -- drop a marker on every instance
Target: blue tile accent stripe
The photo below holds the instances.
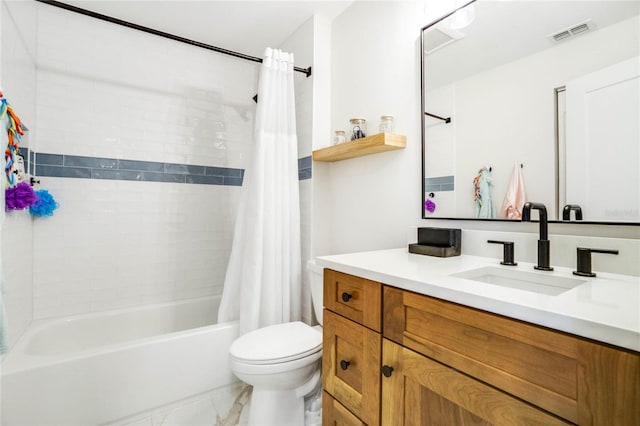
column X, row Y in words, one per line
column 73, row 166
column 438, row 184
column 50, row 159
column 304, row 168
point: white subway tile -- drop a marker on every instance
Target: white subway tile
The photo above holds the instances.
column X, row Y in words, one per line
column 116, row 243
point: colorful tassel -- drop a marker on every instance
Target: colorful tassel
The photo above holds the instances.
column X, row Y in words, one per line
column 15, row 132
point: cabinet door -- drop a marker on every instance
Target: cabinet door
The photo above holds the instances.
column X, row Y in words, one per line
column 533, row 363
column 608, row 385
column 351, row 366
column 334, row 413
column 421, row 391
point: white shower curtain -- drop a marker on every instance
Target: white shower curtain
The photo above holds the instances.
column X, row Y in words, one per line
column 263, row 281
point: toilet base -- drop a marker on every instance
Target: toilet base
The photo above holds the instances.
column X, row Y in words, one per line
column 276, row 408
column 280, row 407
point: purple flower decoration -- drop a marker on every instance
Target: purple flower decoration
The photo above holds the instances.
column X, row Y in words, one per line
column 19, row 197
column 430, row 206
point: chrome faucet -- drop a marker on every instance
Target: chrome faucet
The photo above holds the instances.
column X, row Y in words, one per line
column 543, row 242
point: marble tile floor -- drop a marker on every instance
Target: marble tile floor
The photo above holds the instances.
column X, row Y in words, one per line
column 226, row 406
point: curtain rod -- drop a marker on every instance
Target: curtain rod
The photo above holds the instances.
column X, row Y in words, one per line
column 306, row 71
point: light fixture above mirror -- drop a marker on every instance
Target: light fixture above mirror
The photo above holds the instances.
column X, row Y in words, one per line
column 462, row 17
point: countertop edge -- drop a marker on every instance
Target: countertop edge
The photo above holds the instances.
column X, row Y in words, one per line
column 604, row 333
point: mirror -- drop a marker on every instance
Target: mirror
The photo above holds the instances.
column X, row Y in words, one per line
column 535, row 101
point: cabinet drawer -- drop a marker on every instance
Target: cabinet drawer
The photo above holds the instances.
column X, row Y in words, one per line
column 351, row 366
column 530, row 362
column 334, row 413
column 353, row 297
column 420, row 391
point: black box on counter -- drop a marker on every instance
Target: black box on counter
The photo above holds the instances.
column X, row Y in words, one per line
column 440, row 242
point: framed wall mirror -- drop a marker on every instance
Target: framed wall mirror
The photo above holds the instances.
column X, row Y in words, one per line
column 532, row 101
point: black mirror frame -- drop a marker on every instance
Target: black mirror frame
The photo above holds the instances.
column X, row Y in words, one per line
column 423, row 150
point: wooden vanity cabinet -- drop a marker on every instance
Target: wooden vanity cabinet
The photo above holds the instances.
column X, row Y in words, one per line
column 455, row 365
column 335, row 414
column 355, row 298
column 351, row 347
column 557, row 378
column 530, row 362
column 421, row 391
column 608, row 385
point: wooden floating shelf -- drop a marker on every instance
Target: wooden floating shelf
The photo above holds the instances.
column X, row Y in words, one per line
column 380, row 142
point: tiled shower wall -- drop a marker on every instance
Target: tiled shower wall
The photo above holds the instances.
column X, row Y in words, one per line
column 18, row 22
column 112, row 93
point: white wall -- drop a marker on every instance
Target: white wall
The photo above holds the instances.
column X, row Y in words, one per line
column 18, row 30
column 374, row 71
column 375, row 200
column 107, row 91
column 321, row 191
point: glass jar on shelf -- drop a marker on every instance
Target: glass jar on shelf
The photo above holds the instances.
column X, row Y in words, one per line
column 386, row 124
column 358, row 128
column 339, row 137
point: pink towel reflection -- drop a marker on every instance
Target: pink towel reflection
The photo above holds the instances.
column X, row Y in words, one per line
column 515, row 197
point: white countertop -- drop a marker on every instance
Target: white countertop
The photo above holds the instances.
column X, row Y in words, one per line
column 605, row 308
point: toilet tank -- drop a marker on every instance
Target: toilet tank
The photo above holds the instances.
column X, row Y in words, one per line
column 316, row 282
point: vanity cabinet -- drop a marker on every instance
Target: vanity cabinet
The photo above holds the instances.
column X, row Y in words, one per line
column 428, row 361
column 575, row 379
column 351, row 346
column 421, row 391
column 532, row 363
column 335, row 414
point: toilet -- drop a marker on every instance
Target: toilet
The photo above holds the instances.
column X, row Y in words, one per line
column 282, row 363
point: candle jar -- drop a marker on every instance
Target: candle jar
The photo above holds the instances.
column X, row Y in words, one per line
column 358, row 128
column 339, row 137
column 386, row 124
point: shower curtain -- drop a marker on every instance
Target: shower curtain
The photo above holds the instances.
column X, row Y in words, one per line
column 263, row 281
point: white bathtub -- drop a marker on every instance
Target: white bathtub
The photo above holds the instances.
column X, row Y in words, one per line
column 98, row 368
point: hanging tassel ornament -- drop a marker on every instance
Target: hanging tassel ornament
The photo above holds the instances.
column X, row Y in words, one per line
column 15, row 132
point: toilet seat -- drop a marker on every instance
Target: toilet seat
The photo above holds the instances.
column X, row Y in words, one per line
column 275, row 344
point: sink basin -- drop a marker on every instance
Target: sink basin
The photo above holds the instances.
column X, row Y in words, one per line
column 528, row 281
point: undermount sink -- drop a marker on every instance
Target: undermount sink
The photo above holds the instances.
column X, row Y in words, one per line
column 528, row 281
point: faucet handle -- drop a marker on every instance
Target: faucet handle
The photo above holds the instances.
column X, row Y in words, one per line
column 583, row 260
column 507, row 252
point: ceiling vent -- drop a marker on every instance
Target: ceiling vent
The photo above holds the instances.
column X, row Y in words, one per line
column 438, row 37
column 572, row 31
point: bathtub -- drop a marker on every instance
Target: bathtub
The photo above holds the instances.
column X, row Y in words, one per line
column 97, row 368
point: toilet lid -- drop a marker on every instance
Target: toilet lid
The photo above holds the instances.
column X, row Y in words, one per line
column 277, row 343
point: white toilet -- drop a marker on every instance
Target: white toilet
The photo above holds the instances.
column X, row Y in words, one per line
column 282, row 362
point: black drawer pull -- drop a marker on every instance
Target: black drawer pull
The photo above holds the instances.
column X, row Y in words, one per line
column 387, row 370
column 346, row 296
column 344, row 364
